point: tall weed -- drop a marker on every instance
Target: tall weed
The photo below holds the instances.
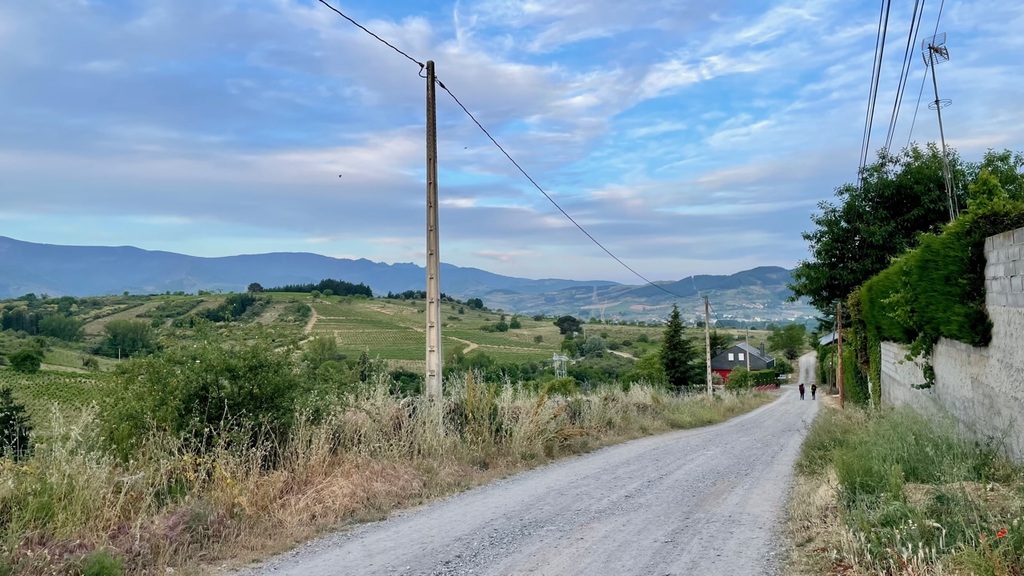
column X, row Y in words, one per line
column 915, row 498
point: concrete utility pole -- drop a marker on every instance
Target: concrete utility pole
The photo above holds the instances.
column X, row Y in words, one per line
column 433, row 377
column 839, row 351
column 707, row 341
column 747, row 340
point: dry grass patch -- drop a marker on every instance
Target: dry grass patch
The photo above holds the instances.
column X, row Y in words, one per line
column 171, row 506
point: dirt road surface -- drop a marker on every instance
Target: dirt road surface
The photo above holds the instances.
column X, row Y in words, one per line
column 809, row 368
column 707, row 501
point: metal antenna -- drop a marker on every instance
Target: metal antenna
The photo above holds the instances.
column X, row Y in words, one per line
column 934, row 51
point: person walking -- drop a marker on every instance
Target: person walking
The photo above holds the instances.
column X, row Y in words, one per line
column 814, row 390
column 801, row 388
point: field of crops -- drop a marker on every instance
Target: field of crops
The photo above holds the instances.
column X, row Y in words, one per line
column 394, row 330
column 40, row 391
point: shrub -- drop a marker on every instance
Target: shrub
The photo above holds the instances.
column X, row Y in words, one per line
column 739, row 378
column 203, row 394
column 27, row 361
column 102, row 563
column 15, row 428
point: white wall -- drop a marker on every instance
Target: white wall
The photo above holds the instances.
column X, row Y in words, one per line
column 982, row 387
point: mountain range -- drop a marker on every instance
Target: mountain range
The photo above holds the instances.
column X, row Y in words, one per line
column 757, row 294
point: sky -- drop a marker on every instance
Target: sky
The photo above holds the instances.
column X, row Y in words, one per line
column 688, row 137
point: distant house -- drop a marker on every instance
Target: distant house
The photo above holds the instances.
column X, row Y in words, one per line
column 737, row 355
column 828, row 339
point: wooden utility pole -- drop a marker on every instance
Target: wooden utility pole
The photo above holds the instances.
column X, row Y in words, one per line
column 839, row 350
column 707, row 342
column 433, row 377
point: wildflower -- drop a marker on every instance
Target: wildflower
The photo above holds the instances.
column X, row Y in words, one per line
column 1001, row 533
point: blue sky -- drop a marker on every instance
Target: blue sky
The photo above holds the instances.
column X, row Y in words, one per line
column 689, row 137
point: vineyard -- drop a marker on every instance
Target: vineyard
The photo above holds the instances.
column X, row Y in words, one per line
column 42, row 390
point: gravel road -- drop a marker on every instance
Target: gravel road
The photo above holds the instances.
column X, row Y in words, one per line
column 706, row 501
column 809, row 368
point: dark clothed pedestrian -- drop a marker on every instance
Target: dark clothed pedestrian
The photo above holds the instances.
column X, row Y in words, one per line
column 814, row 390
column 801, row 388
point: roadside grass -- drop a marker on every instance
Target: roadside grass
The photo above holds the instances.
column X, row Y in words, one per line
column 893, row 492
column 73, row 504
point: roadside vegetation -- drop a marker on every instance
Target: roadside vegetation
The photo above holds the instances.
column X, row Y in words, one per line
column 179, row 431
column 893, row 492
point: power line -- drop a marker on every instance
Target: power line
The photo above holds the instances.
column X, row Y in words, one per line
column 876, row 73
column 379, row 39
column 507, row 155
column 548, row 196
column 915, row 27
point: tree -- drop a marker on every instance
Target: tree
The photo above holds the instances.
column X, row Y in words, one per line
column 475, row 303
column 789, row 340
column 127, row 338
column 594, row 346
column 719, row 342
column 321, row 349
column 677, row 353
column 515, row 324
column 901, row 195
column 254, row 288
column 61, row 327
column 15, row 428
column 568, row 324
column 27, row 361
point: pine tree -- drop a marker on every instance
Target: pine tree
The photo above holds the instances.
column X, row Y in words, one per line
column 14, row 426
column 677, row 353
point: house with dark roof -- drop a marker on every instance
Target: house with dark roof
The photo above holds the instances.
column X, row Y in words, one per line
column 738, row 355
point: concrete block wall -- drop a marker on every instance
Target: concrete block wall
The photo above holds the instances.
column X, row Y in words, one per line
column 983, row 388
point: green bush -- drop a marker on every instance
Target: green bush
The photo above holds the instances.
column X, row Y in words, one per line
column 102, row 563
column 204, row 394
column 27, row 360
column 739, row 378
column 936, row 290
column 15, row 428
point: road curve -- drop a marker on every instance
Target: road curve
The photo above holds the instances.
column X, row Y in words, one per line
column 706, row 501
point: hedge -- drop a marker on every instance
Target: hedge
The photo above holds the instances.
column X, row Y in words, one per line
column 936, row 290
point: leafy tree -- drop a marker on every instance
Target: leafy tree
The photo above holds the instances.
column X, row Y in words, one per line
column 321, row 349
column 475, row 303
column 677, row 354
column 254, row 288
column 789, row 340
column 61, row 327
column 515, row 324
column 27, row 360
column 127, row 338
column 719, row 342
column 501, row 326
column 15, row 428
column 649, row 368
column 594, row 346
column 568, row 324
column 569, row 346
column 901, row 195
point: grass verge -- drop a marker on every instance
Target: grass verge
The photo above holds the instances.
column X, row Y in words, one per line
column 75, row 508
column 892, row 492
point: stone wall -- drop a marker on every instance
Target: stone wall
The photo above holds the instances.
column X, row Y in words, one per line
column 983, row 388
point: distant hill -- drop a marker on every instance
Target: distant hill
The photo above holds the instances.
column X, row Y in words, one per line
column 96, row 270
